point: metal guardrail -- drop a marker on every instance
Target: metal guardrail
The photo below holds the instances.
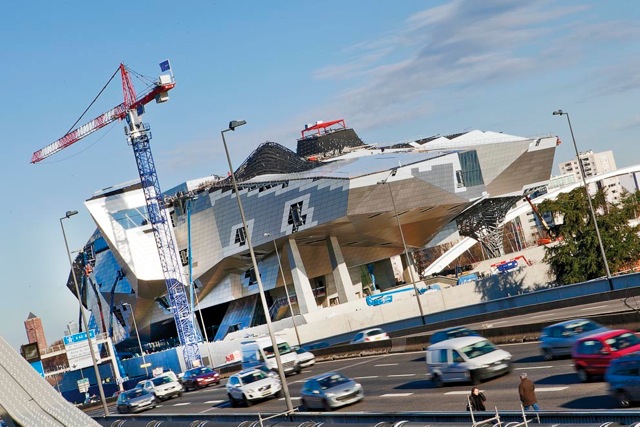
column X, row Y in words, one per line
column 396, row 419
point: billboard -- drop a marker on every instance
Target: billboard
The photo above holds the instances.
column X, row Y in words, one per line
column 78, row 352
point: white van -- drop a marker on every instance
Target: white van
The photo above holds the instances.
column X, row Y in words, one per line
column 471, row 359
column 259, row 351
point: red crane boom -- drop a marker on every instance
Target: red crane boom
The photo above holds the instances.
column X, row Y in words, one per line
column 119, row 112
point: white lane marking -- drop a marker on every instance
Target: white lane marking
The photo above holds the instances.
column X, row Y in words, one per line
column 540, row 389
column 533, row 367
column 402, row 375
column 594, row 308
column 497, row 323
column 182, row 404
column 365, row 378
column 214, row 402
column 396, row 395
column 386, row 364
column 543, row 315
column 292, row 398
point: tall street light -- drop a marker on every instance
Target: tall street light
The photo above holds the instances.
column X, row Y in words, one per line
column 84, row 318
column 586, row 191
column 286, row 291
column 194, row 295
column 404, row 245
column 144, row 365
column 285, row 388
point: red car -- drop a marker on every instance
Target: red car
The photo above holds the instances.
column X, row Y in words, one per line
column 593, row 354
column 202, row 376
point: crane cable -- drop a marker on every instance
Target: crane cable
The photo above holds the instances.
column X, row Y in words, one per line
column 73, row 126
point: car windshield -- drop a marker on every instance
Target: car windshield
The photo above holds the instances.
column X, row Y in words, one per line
column 201, row 371
column 375, row 332
column 253, row 377
column 136, row 392
column 283, row 348
column 580, row 327
column 622, row 341
column 332, row 381
column 478, row 349
column 161, row 380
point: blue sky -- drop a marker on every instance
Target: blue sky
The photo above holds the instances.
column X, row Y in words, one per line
column 393, row 70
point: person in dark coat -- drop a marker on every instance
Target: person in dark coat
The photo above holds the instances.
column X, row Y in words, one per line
column 527, row 393
column 477, row 399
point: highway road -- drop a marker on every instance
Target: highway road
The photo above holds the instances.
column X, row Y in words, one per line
column 397, row 382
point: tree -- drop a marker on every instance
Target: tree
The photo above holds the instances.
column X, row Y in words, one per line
column 577, row 257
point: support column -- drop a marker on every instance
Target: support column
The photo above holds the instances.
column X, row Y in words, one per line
column 304, row 294
column 344, row 285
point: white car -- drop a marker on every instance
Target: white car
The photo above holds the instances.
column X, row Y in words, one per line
column 163, row 386
column 368, row 335
column 305, row 358
column 250, row 385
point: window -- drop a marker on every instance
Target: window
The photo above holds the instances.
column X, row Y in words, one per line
column 241, row 237
column 184, row 257
column 296, row 218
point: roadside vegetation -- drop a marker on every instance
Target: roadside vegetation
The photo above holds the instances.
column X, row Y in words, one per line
column 577, row 256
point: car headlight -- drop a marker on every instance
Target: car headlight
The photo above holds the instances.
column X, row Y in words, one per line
column 329, row 394
column 483, row 366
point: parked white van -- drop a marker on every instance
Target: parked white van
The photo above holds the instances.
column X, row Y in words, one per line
column 259, row 351
column 472, row 359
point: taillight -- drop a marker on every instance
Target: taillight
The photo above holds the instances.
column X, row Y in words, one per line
column 367, row 339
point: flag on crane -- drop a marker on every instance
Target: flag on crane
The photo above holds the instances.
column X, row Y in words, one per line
column 165, row 66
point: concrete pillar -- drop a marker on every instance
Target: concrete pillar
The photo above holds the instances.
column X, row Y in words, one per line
column 344, row 286
column 304, row 294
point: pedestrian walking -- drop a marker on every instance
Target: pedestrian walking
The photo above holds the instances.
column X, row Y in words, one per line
column 527, row 392
column 476, row 400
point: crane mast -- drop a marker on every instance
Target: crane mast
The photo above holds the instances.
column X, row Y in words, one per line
column 138, row 136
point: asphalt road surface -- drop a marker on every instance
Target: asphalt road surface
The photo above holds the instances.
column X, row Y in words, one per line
column 398, row 383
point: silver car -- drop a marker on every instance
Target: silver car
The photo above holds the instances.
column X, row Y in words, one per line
column 557, row 340
column 330, row 391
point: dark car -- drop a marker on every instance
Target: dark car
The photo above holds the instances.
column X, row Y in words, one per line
column 200, row 377
column 453, row 332
column 593, row 354
column 623, row 376
column 135, row 400
column 329, row 391
column 558, row 339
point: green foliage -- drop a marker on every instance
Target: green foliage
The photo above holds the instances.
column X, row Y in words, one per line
column 577, row 257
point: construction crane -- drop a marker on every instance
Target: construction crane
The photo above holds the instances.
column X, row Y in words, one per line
column 138, row 136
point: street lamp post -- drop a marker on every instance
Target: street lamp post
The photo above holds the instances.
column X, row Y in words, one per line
column 194, row 295
column 285, row 388
column 84, row 318
column 286, row 291
column 404, row 245
column 586, row 191
column 135, row 326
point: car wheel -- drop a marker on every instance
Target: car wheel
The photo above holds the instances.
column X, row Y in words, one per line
column 547, row 354
column 303, row 405
column 437, row 381
column 475, row 378
column 583, row 375
column 326, row 406
column 232, row 401
column 247, row 402
column 623, row 399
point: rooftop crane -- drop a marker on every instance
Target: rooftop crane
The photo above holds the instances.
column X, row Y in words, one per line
column 138, row 136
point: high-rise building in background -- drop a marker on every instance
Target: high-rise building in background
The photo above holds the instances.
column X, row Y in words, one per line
column 35, row 331
column 596, row 164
